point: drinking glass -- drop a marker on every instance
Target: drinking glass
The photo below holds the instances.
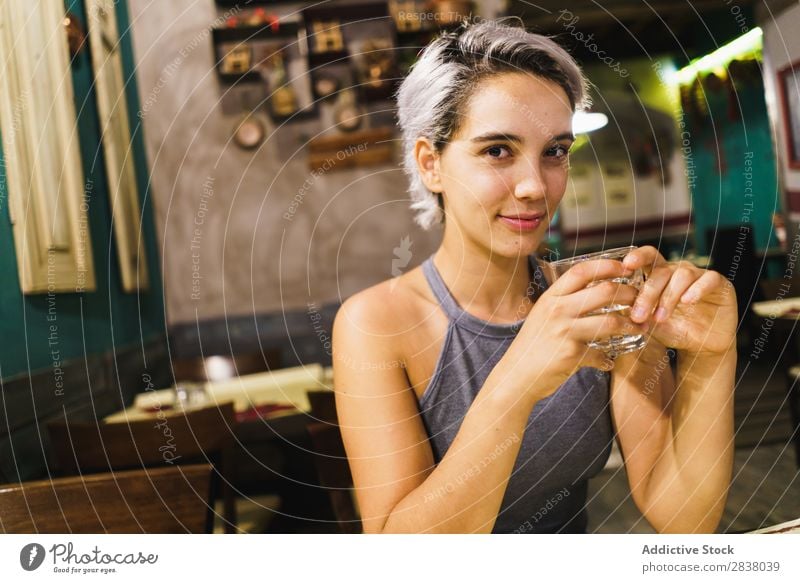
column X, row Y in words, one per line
column 189, row 395
column 615, row 345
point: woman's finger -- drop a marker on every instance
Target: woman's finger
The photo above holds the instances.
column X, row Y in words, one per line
column 682, row 279
column 708, row 282
column 650, row 294
column 646, row 258
column 600, row 295
column 582, row 274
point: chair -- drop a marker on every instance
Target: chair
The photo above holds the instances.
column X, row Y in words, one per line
column 222, row 367
column 793, row 378
column 323, row 405
column 204, row 434
column 782, row 339
column 160, row 500
column 330, row 460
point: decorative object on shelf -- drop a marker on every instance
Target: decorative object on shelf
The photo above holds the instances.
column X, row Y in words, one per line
column 76, row 35
column 275, row 67
column 237, row 61
column 448, row 12
column 116, row 134
column 267, row 55
column 378, row 61
column 327, row 36
column 332, row 27
column 254, row 18
column 283, row 100
column 250, row 132
column 325, row 85
column 406, row 15
column 348, row 115
column 43, row 166
column 245, row 52
column 260, row 17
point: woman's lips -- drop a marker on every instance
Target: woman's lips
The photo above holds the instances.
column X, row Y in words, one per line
column 521, row 224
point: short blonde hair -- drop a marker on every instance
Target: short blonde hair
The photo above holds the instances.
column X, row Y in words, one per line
column 431, row 98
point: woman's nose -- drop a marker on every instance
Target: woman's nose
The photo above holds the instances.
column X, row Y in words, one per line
column 530, row 185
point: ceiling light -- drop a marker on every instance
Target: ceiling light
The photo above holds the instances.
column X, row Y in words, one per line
column 584, row 122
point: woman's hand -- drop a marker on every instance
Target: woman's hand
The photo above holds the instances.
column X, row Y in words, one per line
column 691, row 309
column 552, row 343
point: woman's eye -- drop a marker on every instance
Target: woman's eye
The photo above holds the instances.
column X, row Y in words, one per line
column 497, row 152
column 558, row 152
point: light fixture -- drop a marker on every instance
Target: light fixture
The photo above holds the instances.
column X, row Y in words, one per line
column 584, row 122
column 749, row 43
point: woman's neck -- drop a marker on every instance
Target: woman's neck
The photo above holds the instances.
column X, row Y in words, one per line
column 490, row 287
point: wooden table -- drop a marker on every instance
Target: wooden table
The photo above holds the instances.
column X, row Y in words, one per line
column 274, row 453
column 285, row 387
column 791, row 527
column 786, row 308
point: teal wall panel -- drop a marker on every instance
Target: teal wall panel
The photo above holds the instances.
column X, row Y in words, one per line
column 93, row 322
column 733, row 164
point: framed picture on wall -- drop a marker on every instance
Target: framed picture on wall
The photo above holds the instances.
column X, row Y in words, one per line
column 117, row 147
column 789, row 83
column 48, row 203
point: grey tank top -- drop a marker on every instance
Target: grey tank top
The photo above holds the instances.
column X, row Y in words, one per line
column 568, row 436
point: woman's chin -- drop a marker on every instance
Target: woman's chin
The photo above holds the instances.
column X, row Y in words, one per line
column 521, row 245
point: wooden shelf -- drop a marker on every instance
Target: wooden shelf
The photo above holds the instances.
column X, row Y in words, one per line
column 353, row 149
column 412, row 38
column 246, row 77
column 345, row 13
column 319, row 59
column 247, row 34
column 302, row 115
column 384, row 93
column 251, row 33
column 256, row 3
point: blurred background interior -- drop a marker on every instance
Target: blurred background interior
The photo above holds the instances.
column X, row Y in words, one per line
column 189, row 190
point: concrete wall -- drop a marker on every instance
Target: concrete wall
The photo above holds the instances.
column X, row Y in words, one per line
column 227, row 248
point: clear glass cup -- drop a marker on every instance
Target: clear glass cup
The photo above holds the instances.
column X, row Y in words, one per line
column 189, row 395
column 615, row 345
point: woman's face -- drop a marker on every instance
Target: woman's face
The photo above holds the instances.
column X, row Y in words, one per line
column 505, row 171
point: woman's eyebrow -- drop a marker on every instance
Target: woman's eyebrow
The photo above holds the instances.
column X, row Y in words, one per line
column 494, row 136
column 564, row 136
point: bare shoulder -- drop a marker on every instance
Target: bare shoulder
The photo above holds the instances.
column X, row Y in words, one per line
column 373, row 325
column 386, row 307
column 384, row 436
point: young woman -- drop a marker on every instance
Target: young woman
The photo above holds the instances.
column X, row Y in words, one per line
column 468, row 399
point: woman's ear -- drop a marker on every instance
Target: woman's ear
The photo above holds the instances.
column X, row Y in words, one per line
column 428, row 164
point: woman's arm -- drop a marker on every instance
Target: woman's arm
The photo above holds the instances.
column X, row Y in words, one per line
column 676, row 435
column 398, row 487
column 676, row 432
